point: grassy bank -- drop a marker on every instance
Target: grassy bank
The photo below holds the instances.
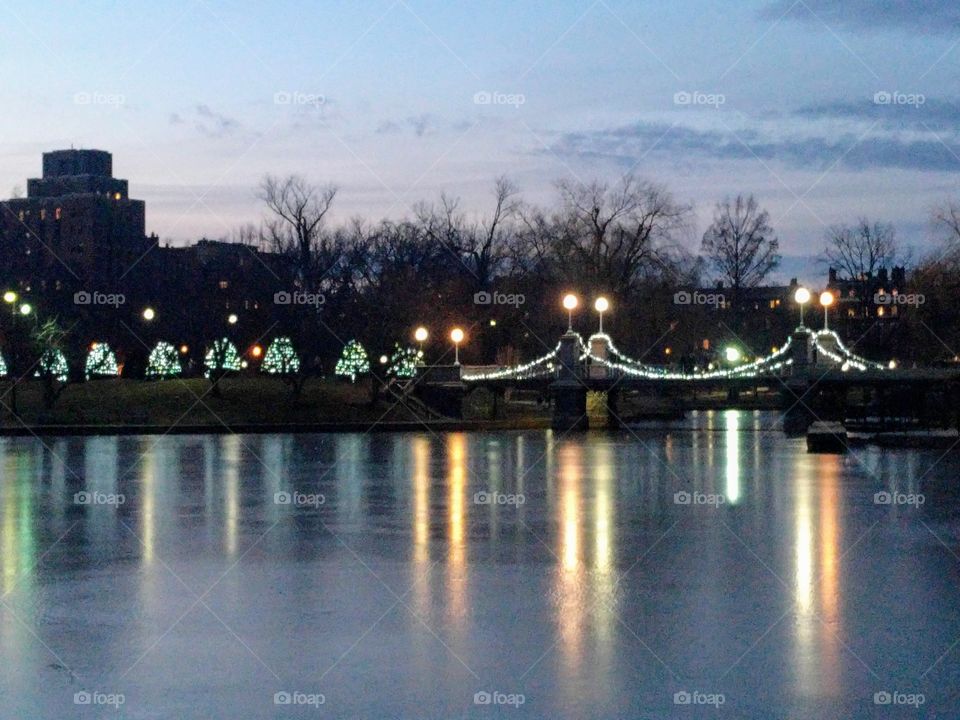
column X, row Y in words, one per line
column 190, row 402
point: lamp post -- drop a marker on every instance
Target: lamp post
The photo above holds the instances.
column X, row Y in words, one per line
column 570, row 302
column 457, row 336
column 421, row 335
column 601, row 305
column 826, row 299
column 802, row 297
column 149, row 314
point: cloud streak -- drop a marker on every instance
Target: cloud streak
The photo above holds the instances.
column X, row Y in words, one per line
column 851, row 136
column 927, row 16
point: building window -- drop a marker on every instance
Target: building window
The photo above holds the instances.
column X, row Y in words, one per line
column 224, row 284
column 43, row 213
column 116, row 196
column 58, row 213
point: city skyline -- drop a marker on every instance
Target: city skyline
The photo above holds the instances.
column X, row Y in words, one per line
column 824, row 114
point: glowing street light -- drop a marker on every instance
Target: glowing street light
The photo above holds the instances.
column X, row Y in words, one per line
column 570, row 302
column 826, row 299
column 256, row 351
column 149, row 314
column 802, row 297
column 232, row 319
column 420, row 335
column 601, row 305
column 26, row 309
column 10, row 297
column 732, row 354
column 457, row 336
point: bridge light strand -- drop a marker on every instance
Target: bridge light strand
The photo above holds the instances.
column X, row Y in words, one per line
column 515, row 373
column 847, row 356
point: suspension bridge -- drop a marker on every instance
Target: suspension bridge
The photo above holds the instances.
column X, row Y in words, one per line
column 815, row 374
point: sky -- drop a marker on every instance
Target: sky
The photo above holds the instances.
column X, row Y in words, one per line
column 825, row 110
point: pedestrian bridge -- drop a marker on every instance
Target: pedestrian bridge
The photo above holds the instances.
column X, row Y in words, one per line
column 811, row 370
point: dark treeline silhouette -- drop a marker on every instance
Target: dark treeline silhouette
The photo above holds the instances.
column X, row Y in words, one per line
column 498, row 273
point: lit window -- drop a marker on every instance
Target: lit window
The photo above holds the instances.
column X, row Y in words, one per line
column 43, row 213
column 224, row 284
column 58, row 213
column 116, row 196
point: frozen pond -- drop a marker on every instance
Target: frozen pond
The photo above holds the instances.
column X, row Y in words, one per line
column 714, row 572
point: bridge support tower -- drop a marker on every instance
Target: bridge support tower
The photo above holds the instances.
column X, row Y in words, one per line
column 569, row 392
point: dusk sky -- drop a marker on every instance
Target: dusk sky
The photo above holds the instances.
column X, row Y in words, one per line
column 198, row 100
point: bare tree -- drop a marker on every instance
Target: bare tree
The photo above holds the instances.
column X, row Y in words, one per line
column 859, row 251
column 296, row 229
column 247, row 234
column 606, row 238
column 740, row 244
column 485, row 245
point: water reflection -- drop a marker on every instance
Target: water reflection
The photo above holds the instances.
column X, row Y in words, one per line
column 542, row 577
column 817, row 520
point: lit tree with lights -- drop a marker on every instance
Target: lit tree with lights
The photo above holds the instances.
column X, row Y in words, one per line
column 403, row 361
column 353, row 361
column 48, row 339
column 164, row 362
column 281, row 358
column 3, row 367
column 101, row 362
column 53, row 364
column 222, row 358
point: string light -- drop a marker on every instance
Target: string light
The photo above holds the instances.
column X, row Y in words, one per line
column 353, row 361
column 221, row 357
column 101, row 362
column 281, row 358
column 164, row 362
column 53, row 363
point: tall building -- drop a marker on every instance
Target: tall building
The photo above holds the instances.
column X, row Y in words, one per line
column 77, row 229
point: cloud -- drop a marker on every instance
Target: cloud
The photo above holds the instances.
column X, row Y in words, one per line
column 925, row 114
column 421, row 125
column 176, row 119
column 213, row 124
column 796, row 141
column 928, row 16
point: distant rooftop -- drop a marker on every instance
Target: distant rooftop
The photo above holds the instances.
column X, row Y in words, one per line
column 68, row 163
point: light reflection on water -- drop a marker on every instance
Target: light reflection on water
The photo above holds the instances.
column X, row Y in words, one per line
column 606, row 570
